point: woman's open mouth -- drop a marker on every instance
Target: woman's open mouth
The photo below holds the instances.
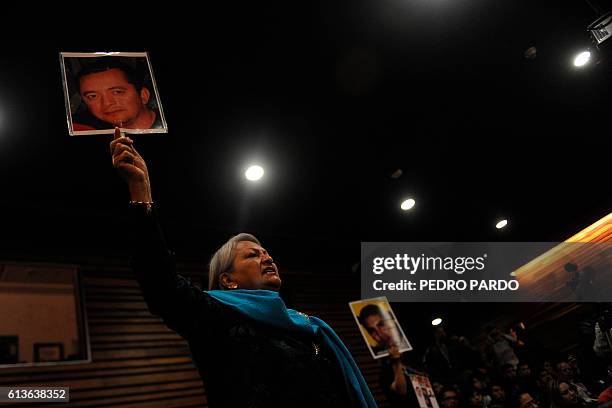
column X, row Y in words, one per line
column 269, row 269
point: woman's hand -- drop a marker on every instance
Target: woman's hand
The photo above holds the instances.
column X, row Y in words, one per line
column 394, row 352
column 131, row 167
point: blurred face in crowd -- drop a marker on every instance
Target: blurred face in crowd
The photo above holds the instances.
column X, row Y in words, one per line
column 476, row 399
column 498, row 393
column 564, row 371
column 437, row 388
column 545, row 379
column 496, row 334
column 477, row 384
column 527, row 401
column 571, row 360
column 568, row 394
column 524, row 370
column 439, row 334
column 111, row 98
column 450, row 399
column 380, row 329
column 512, row 333
column 509, row 372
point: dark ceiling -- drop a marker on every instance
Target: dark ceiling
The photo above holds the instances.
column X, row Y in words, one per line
column 331, row 98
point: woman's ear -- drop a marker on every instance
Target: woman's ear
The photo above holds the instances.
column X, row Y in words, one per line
column 225, row 281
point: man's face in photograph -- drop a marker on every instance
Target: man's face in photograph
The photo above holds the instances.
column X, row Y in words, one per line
column 111, row 98
column 379, row 329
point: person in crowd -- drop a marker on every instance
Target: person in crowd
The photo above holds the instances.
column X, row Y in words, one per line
column 523, row 370
column 474, row 398
column 450, row 398
column 438, row 361
column 509, row 380
column 525, row 379
column 602, row 346
column 548, row 366
column 565, row 395
column 478, row 381
column 498, row 395
column 394, row 380
column 544, row 386
column 464, row 354
column 396, row 383
column 437, row 388
column 525, row 400
column 606, row 395
column 501, row 348
column 566, row 374
column 573, row 363
column 508, row 372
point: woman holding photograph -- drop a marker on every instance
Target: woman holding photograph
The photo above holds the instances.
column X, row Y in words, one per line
column 250, row 350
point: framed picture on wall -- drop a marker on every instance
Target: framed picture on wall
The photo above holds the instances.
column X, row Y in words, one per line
column 48, row 352
column 51, row 295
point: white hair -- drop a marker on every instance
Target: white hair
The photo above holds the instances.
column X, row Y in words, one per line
column 223, row 260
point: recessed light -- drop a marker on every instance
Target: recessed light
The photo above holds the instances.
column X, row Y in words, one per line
column 501, row 224
column 254, row 173
column 408, row 204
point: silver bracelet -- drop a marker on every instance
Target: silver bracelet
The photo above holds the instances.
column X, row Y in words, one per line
column 148, row 205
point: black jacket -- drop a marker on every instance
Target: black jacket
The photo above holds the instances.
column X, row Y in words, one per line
column 243, row 363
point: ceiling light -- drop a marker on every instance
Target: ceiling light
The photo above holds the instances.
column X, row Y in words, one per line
column 582, row 59
column 254, row 173
column 501, row 224
column 408, row 204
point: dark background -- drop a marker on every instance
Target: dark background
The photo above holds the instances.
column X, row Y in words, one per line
column 330, row 98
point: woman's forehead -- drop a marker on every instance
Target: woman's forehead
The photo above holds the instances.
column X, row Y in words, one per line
column 247, row 245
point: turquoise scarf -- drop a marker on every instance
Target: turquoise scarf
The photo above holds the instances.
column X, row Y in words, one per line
column 267, row 307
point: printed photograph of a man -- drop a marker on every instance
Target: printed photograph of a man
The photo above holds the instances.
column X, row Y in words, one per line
column 109, row 90
column 424, row 391
column 379, row 326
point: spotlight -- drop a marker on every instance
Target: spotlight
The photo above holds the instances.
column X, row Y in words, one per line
column 408, row 204
column 582, row 59
column 254, row 173
column 436, row 322
column 501, row 224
